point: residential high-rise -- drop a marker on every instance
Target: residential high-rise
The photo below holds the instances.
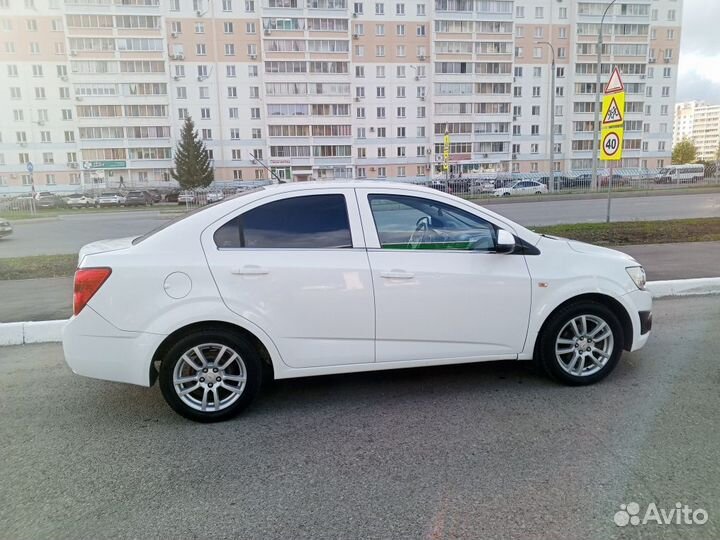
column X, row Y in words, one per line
column 96, row 90
column 699, row 122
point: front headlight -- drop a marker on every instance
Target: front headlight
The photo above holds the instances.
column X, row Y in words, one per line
column 637, row 274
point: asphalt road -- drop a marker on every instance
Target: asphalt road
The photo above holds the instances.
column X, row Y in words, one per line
column 71, row 232
column 477, row 451
column 68, row 233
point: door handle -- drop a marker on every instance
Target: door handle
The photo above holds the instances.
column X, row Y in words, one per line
column 251, row 270
column 397, row 274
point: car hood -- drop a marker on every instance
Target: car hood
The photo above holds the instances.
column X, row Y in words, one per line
column 590, row 249
column 102, row 246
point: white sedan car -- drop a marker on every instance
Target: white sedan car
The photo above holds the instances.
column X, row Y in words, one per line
column 523, row 187
column 308, row 279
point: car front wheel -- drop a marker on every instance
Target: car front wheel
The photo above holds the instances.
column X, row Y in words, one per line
column 210, row 376
column 581, row 344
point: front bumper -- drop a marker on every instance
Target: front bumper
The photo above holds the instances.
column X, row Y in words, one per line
column 95, row 348
column 639, row 306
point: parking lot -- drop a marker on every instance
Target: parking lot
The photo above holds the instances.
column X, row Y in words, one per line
column 475, row 451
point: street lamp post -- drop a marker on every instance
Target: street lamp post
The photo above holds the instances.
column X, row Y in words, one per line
column 596, row 125
column 551, row 129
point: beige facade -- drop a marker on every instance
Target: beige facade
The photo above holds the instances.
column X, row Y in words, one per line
column 97, row 90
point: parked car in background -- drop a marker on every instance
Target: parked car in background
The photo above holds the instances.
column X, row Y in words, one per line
column 172, row 196
column 523, row 187
column 582, row 181
column 617, row 180
column 481, row 187
column 318, row 278
column 45, row 199
column 155, row 195
column 559, row 181
column 214, row 196
column 186, row 197
column 440, row 185
column 681, row 174
column 138, row 198
column 79, row 200
column 5, row 228
column 111, row 198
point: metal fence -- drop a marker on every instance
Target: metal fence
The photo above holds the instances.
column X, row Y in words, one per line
column 27, row 204
column 538, row 184
column 484, row 186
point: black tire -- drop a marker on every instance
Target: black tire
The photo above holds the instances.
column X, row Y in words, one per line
column 248, row 355
column 546, row 346
column 506, row 194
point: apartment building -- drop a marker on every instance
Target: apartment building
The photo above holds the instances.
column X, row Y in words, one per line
column 699, row 122
column 97, row 90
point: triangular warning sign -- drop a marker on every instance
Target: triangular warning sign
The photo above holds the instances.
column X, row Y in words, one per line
column 613, row 115
column 615, row 83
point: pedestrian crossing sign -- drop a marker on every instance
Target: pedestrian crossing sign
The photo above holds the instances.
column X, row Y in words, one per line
column 613, row 109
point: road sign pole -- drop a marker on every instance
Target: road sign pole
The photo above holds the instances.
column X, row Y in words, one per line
column 609, row 199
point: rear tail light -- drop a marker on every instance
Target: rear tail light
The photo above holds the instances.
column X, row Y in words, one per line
column 87, row 282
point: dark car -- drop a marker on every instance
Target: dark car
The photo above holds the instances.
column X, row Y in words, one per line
column 155, row 195
column 138, row 198
column 559, row 182
column 172, row 196
column 582, row 181
column 45, row 199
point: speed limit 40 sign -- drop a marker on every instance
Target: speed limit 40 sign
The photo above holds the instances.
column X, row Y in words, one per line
column 611, row 144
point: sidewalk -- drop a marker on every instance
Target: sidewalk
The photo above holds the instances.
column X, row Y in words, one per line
column 51, row 299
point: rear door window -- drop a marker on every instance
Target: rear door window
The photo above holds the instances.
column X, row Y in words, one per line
column 302, row 222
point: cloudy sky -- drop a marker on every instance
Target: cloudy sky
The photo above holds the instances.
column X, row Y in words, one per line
column 700, row 52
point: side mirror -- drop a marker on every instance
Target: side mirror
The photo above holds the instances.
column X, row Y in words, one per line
column 505, row 242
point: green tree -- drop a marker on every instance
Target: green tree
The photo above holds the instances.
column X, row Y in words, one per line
column 192, row 165
column 684, row 152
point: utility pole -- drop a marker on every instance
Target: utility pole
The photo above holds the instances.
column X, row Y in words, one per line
column 596, row 125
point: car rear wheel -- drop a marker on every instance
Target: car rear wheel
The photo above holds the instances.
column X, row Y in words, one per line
column 210, row 376
column 581, row 344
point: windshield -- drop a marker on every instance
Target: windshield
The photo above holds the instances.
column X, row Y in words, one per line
column 192, row 213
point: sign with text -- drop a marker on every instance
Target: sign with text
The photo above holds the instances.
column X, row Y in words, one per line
column 611, row 144
column 446, row 152
column 112, row 164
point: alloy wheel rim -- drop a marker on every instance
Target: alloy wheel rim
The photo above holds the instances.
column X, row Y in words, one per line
column 209, row 377
column 584, row 345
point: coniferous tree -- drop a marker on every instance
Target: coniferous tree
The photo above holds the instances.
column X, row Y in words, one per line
column 192, row 165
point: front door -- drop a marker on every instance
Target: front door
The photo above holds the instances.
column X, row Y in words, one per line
column 295, row 265
column 440, row 290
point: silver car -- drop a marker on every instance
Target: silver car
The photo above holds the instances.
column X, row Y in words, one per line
column 5, row 228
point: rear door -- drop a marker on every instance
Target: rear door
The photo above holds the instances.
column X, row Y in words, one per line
column 295, row 265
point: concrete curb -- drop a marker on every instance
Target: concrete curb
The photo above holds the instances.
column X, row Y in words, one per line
column 20, row 333
column 684, row 287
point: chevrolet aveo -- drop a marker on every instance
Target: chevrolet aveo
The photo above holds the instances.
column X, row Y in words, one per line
column 311, row 279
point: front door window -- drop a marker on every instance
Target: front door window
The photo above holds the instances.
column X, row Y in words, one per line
column 405, row 222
